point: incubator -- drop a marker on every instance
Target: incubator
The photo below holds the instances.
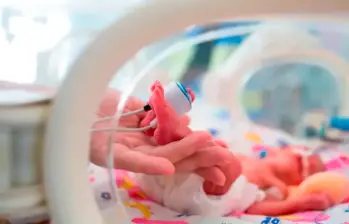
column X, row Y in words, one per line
column 45, row 133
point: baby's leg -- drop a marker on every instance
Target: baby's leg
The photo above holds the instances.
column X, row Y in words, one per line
column 272, row 207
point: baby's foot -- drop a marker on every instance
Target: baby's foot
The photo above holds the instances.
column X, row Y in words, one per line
column 318, row 201
column 170, row 126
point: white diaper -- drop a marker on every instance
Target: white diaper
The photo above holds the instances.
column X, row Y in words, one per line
column 184, row 193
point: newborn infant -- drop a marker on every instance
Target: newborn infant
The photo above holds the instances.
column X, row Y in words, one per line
column 280, row 170
column 188, row 193
column 245, row 192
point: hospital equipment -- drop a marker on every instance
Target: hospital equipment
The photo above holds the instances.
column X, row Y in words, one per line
column 275, row 84
column 327, row 128
column 340, row 123
column 175, row 94
column 66, row 156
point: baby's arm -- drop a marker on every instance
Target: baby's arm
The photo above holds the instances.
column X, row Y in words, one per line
column 273, row 207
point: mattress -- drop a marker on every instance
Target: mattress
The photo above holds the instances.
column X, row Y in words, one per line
column 142, row 209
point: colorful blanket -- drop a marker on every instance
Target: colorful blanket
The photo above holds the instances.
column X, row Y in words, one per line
column 143, row 210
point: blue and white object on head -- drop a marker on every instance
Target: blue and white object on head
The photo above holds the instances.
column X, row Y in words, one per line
column 178, row 97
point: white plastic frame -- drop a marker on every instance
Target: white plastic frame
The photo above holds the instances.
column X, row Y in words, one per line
column 66, row 156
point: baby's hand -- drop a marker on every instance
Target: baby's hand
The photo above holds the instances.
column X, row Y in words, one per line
column 270, row 180
column 232, row 170
column 319, row 201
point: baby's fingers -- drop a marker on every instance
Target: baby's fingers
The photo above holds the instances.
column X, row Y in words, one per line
column 211, row 175
column 222, row 143
column 272, row 181
column 211, row 156
column 231, row 172
column 180, row 150
column 139, row 162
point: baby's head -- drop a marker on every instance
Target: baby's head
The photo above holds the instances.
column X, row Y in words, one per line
column 292, row 168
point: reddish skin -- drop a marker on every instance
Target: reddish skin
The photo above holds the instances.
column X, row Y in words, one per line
column 213, row 189
column 139, row 153
column 280, row 169
column 273, row 207
column 170, row 129
column 169, row 126
column 283, row 169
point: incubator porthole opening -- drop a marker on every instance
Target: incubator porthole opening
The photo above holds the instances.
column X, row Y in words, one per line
column 68, row 192
column 282, row 94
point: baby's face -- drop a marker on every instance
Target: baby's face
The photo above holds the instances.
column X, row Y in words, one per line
column 289, row 167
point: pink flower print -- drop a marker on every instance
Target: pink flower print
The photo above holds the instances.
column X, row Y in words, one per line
column 148, row 221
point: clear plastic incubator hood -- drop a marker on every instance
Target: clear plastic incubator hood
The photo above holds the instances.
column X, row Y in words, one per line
column 274, row 77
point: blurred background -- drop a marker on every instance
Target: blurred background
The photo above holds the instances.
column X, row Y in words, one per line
column 38, row 43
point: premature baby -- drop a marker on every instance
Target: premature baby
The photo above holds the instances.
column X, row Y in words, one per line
column 243, row 192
